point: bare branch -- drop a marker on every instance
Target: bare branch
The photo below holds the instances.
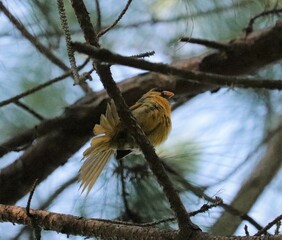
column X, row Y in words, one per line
column 64, row 223
column 101, row 33
column 99, row 16
column 50, row 199
column 39, row 87
column 84, row 227
column 143, row 55
column 268, row 226
column 192, row 76
column 207, row 43
column 249, row 28
column 203, row 209
column 36, row 228
column 128, row 212
column 29, row 110
column 200, row 192
column 246, row 230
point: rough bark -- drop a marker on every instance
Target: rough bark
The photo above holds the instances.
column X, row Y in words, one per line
column 72, row 225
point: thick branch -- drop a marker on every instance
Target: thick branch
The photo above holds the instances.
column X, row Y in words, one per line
column 72, row 225
column 80, row 226
column 192, row 76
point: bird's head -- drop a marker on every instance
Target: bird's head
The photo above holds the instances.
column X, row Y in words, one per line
column 160, row 92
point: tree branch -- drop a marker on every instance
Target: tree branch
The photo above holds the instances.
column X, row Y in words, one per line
column 40, row 86
column 192, row 76
column 249, row 28
column 72, row 225
column 101, row 33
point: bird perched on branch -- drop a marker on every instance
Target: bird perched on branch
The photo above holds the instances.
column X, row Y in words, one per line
column 152, row 112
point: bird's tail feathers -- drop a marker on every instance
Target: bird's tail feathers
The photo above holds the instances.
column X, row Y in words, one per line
column 95, row 159
column 108, row 122
column 100, row 151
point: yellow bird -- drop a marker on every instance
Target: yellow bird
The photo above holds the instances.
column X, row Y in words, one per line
column 152, row 112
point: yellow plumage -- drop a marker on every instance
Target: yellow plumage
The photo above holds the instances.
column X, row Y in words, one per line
column 152, row 112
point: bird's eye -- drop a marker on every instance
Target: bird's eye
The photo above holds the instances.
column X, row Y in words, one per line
column 158, row 90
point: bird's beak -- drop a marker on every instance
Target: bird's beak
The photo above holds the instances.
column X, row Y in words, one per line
column 168, row 94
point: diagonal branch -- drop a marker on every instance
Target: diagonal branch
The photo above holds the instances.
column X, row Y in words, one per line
column 249, row 28
column 101, row 33
column 40, row 86
column 135, row 130
column 34, row 41
column 200, row 192
column 29, row 110
column 183, row 219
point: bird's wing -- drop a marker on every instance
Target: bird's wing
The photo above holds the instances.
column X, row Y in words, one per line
column 148, row 114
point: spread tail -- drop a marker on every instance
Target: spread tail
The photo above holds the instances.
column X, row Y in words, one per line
column 100, row 151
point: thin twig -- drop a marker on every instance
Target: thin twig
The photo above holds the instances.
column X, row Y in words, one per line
column 99, row 16
column 35, row 89
column 277, row 229
column 191, row 76
column 30, row 198
column 203, row 209
column 34, row 41
column 143, row 55
column 48, row 202
column 246, row 230
column 249, row 28
column 36, row 228
column 123, row 190
column 207, row 43
column 268, row 226
column 29, row 110
column 217, row 201
column 200, row 192
column 41, row 86
column 101, row 33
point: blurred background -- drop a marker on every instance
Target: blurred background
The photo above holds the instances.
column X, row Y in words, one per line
column 217, row 138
